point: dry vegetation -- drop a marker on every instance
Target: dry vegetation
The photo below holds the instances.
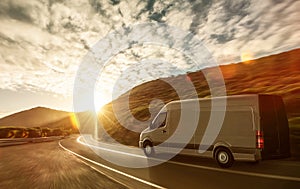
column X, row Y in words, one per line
column 277, row 74
column 32, row 132
column 38, row 122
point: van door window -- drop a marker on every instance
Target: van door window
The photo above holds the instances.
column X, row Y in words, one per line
column 160, row 121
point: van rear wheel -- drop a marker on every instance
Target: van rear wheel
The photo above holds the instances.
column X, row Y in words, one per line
column 148, row 148
column 224, row 157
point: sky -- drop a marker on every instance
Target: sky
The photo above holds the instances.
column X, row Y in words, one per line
column 43, row 42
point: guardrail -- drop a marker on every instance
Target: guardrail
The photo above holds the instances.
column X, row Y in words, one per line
column 17, row 141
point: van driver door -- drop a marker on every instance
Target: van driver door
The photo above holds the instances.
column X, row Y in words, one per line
column 161, row 132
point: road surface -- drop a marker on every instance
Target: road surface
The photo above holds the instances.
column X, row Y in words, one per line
column 69, row 164
column 46, row 165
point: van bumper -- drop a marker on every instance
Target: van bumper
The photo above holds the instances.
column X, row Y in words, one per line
column 141, row 144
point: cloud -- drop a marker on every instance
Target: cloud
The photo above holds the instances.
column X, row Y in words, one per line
column 262, row 28
column 44, row 41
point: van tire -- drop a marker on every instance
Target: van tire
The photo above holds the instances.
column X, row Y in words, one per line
column 148, row 148
column 224, row 157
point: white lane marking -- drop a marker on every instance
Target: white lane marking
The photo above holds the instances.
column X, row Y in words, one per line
column 112, row 169
column 109, row 150
column 280, row 177
column 101, row 172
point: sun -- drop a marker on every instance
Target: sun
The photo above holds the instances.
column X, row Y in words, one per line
column 100, row 101
column 246, row 56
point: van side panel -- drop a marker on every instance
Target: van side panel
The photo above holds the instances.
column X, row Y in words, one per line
column 238, row 129
column 274, row 124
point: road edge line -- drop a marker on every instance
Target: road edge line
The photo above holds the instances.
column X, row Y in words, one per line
column 102, row 173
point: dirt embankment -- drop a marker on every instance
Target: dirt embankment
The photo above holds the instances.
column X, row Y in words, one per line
column 277, row 74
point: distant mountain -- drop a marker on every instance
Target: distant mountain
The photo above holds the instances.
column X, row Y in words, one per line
column 39, row 117
column 276, row 74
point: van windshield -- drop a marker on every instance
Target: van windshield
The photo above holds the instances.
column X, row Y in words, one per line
column 159, row 121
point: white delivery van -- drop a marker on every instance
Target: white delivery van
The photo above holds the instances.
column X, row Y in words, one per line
column 255, row 127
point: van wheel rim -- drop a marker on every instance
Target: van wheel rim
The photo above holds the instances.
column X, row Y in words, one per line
column 148, row 149
column 223, row 157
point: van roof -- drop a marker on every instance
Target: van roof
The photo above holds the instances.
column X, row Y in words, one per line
column 243, row 96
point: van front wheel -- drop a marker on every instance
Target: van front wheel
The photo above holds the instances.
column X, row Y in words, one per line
column 224, row 157
column 148, row 148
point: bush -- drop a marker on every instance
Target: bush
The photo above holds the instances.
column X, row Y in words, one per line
column 34, row 133
column 4, row 132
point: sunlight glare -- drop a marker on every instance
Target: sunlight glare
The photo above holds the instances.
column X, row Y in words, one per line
column 73, row 120
column 100, row 101
column 247, row 56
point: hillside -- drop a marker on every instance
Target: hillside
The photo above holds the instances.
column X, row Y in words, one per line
column 277, row 74
column 38, row 117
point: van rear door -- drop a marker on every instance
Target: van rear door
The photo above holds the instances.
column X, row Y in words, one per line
column 274, row 126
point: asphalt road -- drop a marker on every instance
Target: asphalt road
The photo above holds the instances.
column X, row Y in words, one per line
column 190, row 172
column 46, row 165
column 69, row 164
